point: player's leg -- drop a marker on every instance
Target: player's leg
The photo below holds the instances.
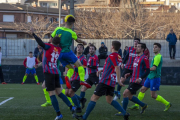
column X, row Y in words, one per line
column 50, row 84
column 35, row 76
column 155, row 84
column 61, row 95
column 47, row 97
column 25, row 76
column 142, row 93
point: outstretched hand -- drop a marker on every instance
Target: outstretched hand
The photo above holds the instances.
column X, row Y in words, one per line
column 120, row 83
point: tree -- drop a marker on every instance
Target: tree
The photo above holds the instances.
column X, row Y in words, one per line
column 42, row 25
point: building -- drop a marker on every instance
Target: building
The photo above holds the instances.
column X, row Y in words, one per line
column 13, row 1
column 16, row 13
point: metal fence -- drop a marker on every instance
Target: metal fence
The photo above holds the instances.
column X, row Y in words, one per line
column 20, row 48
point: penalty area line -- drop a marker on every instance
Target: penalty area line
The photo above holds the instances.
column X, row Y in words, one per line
column 6, row 100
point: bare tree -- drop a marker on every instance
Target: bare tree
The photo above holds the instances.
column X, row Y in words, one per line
column 42, row 25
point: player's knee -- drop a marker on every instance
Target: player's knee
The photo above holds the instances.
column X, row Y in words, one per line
column 153, row 96
column 94, row 98
column 125, row 93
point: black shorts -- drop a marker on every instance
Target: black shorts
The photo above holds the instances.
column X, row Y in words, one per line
column 75, row 85
column 93, row 79
column 125, row 71
column 134, row 87
column 51, row 81
column 103, row 89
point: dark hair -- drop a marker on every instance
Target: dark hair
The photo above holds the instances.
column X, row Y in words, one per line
column 81, row 45
column 126, row 46
column 0, row 47
column 143, row 46
column 137, row 39
column 30, row 52
column 116, row 45
column 158, row 44
column 70, row 20
column 56, row 40
column 92, row 46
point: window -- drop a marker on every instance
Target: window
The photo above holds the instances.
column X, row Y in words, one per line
column 28, row 19
column 43, row 4
column 8, row 18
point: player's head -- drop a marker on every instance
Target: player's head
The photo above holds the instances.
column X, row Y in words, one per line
column 171, row 31
column 80, row 48
column 89, row 44
column 56, row 40
column 156, row 48
column 136, row 41
column 69, row 20
column 115, row 46
column 140, row 48
column 92, row 49
column 30, row 54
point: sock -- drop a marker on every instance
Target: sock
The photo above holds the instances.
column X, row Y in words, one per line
column 36, row 78
column 48, row 99
column 82, row 95
column 125, row 103
column 55, row 103
column 24, row 78
column 81, row 73
column 136, row 100
column 162, row 100
column 75, row 100
column 70, row 100
column 116, row 105
column 65, row 99
column 140, row 97
column 78, row 97
column 70, row 73
column 118, row 88
column 90, row 107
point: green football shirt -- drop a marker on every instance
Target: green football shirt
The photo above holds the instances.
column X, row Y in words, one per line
column 157, row 61
column 66, row 35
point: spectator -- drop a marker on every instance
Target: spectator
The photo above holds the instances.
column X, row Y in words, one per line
column 36, row 51
column 40, row 55
column 125, row 51
column 146, row 52
column 86, row 51
column 1, row 73
column 172, row 39
column 102, row 52
column 120, row 52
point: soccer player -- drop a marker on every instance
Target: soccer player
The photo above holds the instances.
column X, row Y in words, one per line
column 30, row 64
column 67, row 57
column 153, row 79
column 92, row 70
column 75, row 80
column 107, row 83
column 140, row 72
column 50, row 56
column 130, row 56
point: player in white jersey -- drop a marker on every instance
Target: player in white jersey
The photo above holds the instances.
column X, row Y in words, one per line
column 30, row 63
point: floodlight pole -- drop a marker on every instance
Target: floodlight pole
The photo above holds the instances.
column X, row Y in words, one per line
column 59, row 13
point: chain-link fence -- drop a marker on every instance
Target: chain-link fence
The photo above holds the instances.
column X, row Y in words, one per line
column 20, row 48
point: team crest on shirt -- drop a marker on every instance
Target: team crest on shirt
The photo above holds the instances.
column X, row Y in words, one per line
column 132, row 54
column 135, row 64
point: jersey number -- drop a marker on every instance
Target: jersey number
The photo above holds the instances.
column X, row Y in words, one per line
column 54, row 57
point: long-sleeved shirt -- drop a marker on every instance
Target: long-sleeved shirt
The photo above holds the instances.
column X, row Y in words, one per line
column 0, row 57
column 29, row 62
column 103, row 50
column 171, row 38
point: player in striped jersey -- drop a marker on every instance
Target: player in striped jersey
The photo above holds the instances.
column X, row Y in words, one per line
column 129, row 58
column 107, row 83
column 75, row 79
column 154, row 79
column 93, row 79
column 49, row 63
column 140, row 72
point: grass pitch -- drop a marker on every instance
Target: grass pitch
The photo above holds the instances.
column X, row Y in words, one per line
column 28, row 97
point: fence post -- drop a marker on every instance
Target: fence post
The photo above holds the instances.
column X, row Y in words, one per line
column 6, row 46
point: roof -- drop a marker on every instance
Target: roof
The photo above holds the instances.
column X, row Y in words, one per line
column 166, row 8
column 31, row 1
column 91, row 2
column 18, row 7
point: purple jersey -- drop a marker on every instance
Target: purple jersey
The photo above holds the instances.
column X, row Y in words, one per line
column 141, row 63
column 93, row 61
column 132, row 54
column 83, row 61
column 109, row 74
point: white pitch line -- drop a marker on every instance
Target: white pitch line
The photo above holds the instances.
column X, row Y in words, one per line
column 6, row 100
